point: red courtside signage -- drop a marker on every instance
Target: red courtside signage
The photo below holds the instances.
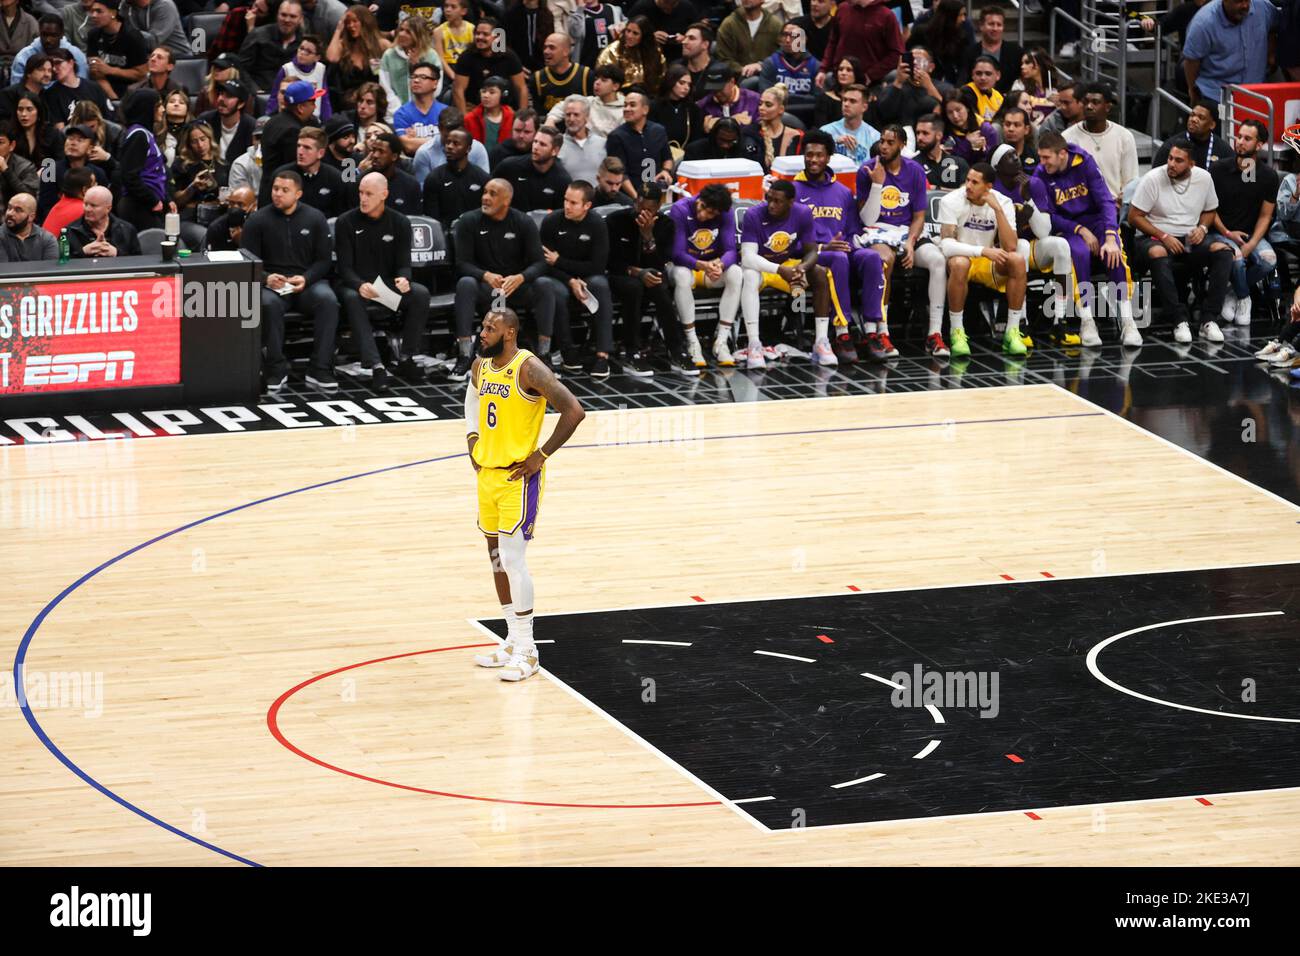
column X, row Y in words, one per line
column 112, row 332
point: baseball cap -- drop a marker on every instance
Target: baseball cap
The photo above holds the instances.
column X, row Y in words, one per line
column 301, row 92
column 338, row 126
column 224, row 62
column 80, row 130
column 235, row 89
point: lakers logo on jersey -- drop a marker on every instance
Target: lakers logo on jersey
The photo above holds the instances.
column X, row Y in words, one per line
column 780, row 241
column 703, row 238
column 1074, row 192
column 891, row 197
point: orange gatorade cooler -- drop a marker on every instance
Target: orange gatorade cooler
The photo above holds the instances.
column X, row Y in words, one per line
column 743, row 177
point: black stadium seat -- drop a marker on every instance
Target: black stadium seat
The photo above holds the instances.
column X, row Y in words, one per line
column 203, row 29
column 190, row 74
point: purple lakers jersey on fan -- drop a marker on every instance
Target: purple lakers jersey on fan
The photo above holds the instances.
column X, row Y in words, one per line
column 778, row 239
column 834, row 211
column 695, row 241
column 1078, row 195
column 901, row 196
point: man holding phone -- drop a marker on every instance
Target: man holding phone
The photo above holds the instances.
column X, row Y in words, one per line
column 913, row 93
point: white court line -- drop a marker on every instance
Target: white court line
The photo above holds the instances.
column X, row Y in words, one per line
column 884, row 680
column 934, row 712
column 929, row 749
column 789, row 657
column 753, row 800
column 668, row 643
column 853, row 783
column 1096, row 671
column 543, row 642
column 730, row 804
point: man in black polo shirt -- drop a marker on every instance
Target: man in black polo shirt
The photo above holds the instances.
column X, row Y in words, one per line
column 576, row 246
column 1247, row 191
column 116, row 52
column 403, row 191
column 489, row 56
column 539, row 180
column 641, row 144
column 610, row 178
column 293, row 241
column 374, row 242
column 499, row 258
column 280, row 137
column 322, row 186
column 456, row 186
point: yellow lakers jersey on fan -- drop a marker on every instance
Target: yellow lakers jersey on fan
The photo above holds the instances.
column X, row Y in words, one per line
column 509, row 421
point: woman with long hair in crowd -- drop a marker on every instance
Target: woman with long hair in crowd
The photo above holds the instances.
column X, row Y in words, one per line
column 676, row 111
column 194, row 175
column 973, row 141
column 947, row 36
column 354, row 54
column 1037, row 76
column 38, row 140
column 412, row 44
column 827, row 108
column 371, row 108
column 175, row 115
column 774, row 136
column 142, row 197
column 639, row 56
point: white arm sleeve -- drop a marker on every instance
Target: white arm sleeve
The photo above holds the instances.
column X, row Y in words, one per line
column 1040, row 223
column 471, row 407
column 750, row 259
column 952, row 247
column 870, row 210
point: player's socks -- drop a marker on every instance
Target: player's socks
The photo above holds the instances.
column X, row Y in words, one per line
column 752, row 332
column 870, row 327
column 508, row 612
column 936, row 320
column 822, row 324
column 465, row 346
column 523, row 663
column 957, row 320
column 1125, row 311
column 543, row 345
column 500, row 656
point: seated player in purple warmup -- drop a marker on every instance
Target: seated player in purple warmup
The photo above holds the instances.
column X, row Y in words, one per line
column 835, row 223
column 1083, row 211
column 892, row 206
column 778, row 251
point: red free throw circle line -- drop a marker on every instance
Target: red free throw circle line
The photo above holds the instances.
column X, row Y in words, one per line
column 273, row 724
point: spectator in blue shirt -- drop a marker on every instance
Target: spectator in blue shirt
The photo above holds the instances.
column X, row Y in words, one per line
column 416, row 122
column 51, row 39
column 853, row 135
column 1228, row 42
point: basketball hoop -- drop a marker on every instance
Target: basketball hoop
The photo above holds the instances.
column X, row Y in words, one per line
column 1292, row 137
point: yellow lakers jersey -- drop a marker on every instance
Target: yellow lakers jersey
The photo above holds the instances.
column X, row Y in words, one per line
column 509, row 420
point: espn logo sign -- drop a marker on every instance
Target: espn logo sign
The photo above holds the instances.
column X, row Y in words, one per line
column 44, row 370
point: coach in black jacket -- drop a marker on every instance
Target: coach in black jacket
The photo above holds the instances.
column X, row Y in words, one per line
column 575, row 244
column 640, row 242
column 499, row 258
column 293, row 241
column 374, row 242
column 98, row 233
column 456, row 186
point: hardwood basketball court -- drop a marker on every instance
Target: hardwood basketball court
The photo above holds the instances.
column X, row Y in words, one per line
column 352, row 553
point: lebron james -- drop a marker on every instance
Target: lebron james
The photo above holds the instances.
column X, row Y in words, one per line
column 507, row 395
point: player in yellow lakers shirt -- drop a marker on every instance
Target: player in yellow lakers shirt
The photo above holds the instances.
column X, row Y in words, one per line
column 506, row 398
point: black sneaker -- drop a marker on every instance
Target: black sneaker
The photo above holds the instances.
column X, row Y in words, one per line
column 572, row 361
column 685, row 365
column 461, row 371
column 277, row 376
column 323, row 379
column 409, row 371
column 553, row 359
column 639, row 365
column 599, row 368
column 379, row 377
